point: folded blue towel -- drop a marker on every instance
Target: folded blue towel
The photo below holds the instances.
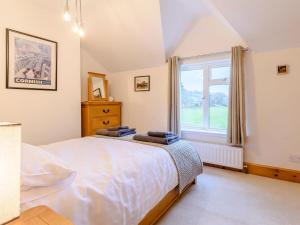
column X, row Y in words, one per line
column 117, row 128
column 161, row 134
column 117, row 133
column 158, row 140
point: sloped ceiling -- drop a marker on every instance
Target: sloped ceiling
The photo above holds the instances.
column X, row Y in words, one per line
column 263, row 24
column 124, row 34
column 204, row 38
column 133, row 34
column 177, row 18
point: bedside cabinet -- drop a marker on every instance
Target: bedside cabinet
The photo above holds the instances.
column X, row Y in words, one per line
column 40, row 215
column 97, row 115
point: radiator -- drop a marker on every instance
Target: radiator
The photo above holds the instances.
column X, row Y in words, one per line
column 222, row 155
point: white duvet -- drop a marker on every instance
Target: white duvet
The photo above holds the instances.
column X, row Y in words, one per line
column 117, row 182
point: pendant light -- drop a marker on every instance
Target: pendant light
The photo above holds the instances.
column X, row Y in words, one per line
column 81, row 30
column 67, row 14
column 78, row 23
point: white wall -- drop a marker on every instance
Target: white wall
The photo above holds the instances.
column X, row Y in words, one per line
column 272, row 101
column 46, row 116
column 273, row 108
column 88, row 64
column 143, row 110
column 208, row 35
column 149, row 110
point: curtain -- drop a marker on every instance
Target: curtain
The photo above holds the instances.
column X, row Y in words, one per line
column 236, row 133
column 174, row 97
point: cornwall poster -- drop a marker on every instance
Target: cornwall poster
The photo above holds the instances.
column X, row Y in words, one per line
column 31, row 62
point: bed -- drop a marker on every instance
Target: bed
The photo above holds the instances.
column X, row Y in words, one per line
column 109, row 182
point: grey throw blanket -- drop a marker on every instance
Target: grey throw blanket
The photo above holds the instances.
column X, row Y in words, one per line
column 185, row 157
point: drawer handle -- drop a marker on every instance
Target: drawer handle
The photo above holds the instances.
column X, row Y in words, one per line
column 106, row 122
column 106, row 110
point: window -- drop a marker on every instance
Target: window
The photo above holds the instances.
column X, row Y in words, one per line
column 204, row 95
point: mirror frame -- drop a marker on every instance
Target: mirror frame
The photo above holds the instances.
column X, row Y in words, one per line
column 91, row 97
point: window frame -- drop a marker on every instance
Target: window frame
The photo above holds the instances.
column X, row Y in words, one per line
column 207, row 67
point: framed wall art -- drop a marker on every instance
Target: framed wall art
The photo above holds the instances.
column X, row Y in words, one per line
column 282, row 69
column 142, row 83
column 31, row 62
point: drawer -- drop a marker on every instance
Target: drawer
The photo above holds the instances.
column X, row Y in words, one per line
column 105, row 110
column 104, row 122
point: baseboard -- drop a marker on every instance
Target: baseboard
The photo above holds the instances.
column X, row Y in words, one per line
column 222, row 167
column 273, row 172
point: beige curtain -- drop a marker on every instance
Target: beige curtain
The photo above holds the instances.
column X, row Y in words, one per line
column 236, row 116
column 174, row 97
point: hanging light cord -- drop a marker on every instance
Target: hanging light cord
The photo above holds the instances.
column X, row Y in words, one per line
column 76, row 6
column 80, row 13
column 78, row 26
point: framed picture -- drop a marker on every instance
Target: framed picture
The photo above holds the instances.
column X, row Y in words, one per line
column 142, row 83
column 282, row 69
column 31, row 62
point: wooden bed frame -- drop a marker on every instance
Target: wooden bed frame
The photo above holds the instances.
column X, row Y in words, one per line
column 162, row 207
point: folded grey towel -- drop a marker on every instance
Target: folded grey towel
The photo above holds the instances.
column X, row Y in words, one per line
column 158, row 140
column 117, row 128
column 118, row 133
column 161, row 134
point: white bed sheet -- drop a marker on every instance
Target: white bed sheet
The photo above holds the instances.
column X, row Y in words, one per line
column 117, row 182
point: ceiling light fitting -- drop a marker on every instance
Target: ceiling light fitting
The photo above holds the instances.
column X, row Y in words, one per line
column 78, row 22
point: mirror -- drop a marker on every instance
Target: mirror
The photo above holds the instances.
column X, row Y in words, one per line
column 97, row 87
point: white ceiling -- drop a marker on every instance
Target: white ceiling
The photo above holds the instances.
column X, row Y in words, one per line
column 177, row 19
column 133, row 34
column 263, row 24
column 124, row 34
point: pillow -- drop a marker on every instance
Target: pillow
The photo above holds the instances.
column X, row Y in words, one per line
column 41, row 169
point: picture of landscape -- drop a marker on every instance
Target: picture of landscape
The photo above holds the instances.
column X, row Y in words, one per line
column 142, row 83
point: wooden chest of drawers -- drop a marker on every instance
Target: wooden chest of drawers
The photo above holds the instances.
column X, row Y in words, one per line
column 99, row 115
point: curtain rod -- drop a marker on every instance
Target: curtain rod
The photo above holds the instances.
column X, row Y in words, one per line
column 199, row 56
column 209, row 54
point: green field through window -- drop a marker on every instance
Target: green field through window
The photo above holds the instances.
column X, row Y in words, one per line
column 192, row 117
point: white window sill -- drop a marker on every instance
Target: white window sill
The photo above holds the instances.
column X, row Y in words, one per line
column 210, row 136
column 205, row 132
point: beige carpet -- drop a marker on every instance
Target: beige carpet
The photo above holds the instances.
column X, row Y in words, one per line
column 230, row 198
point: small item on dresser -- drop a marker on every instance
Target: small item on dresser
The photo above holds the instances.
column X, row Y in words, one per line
column 158, row 140
column 116, row 133
column 161, row 134
column 117, row 128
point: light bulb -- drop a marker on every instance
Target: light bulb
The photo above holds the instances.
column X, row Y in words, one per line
column 81, row 32
column 76, row 28
column 67, row 16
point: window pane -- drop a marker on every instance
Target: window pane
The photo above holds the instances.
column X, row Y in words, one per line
column 220, row 73
column 192, row 99
column 218, row 106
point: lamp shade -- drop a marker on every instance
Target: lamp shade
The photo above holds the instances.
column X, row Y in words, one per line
column 10, row 164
